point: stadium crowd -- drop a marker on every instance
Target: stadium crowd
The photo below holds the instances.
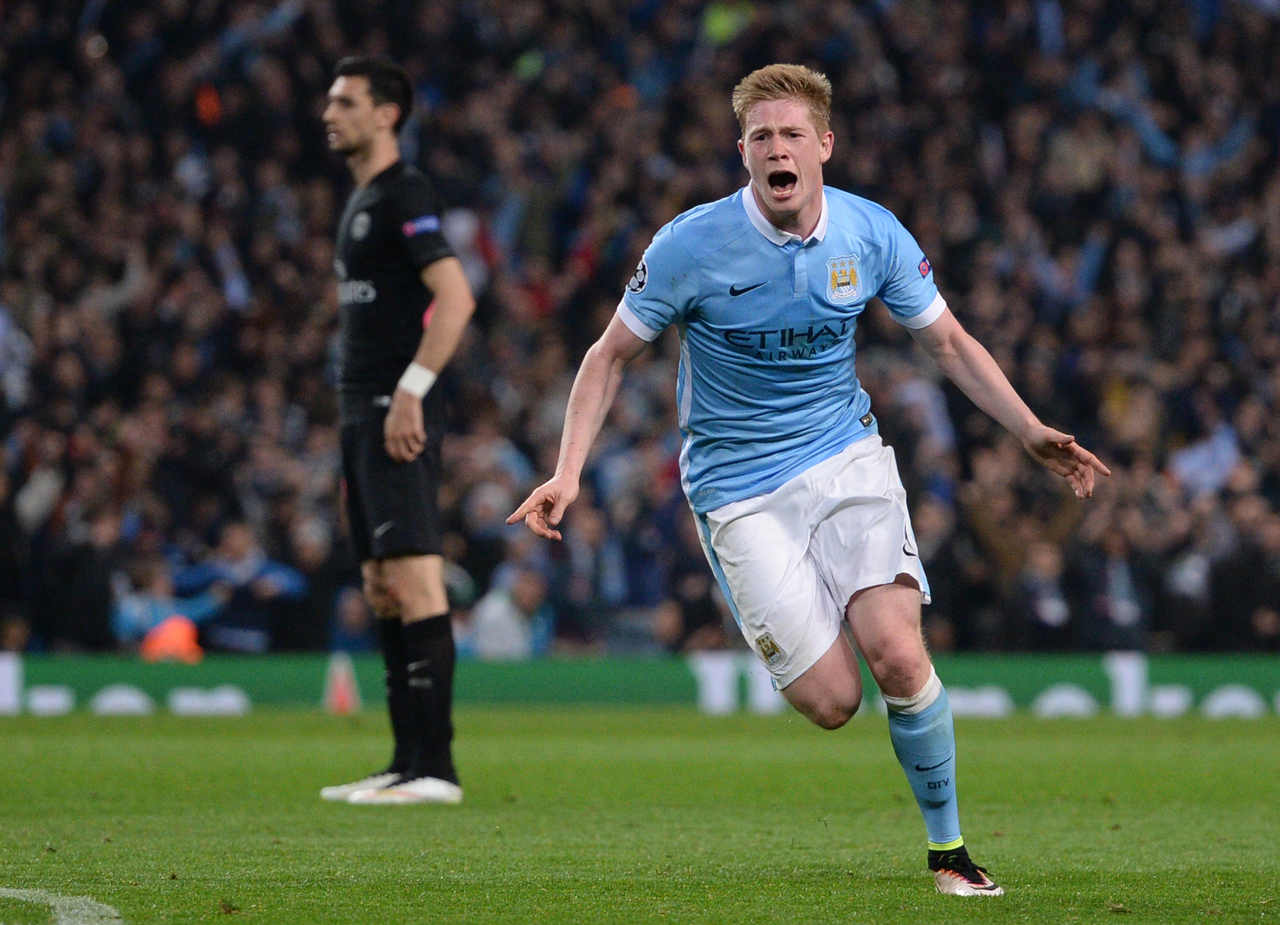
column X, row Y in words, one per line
column 1096, row 185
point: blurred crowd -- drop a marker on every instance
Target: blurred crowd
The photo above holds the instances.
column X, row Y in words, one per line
column 1096, row 185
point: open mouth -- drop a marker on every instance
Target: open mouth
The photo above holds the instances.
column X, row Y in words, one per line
column 782, row 182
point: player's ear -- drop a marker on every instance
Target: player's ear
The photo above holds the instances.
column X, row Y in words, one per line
column 387, row 114
column 742, row 151
column 826, row 144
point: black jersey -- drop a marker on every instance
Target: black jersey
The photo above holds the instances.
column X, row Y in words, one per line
column 390, row 230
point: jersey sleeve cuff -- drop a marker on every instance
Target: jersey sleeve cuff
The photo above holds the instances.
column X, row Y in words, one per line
column 926, row 317
column 634, row 324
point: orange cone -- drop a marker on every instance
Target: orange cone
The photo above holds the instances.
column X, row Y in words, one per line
column 172, row 639
column 341, row 692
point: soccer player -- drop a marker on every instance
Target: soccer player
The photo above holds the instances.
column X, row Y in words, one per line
column 392, row 263
column 801, row 511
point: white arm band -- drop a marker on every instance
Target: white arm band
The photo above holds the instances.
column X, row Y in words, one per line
column 417, row 380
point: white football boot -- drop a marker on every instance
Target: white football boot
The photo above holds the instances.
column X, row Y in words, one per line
column 340, row 792
column 414, row 790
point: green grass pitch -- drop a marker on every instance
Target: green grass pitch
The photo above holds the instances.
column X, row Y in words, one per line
column 630, row 815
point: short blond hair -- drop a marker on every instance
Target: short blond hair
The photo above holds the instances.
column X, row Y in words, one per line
column 785, row 82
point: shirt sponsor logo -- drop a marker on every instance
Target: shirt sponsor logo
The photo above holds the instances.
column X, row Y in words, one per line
column 360, row 226
column 790, row 343
column 357, row 292
column 843, row 281
column 421, row 225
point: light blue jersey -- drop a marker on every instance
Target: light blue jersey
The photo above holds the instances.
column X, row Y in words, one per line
column 767, row 385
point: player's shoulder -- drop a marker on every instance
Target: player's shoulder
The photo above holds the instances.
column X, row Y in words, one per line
column 704, row 228
column 858, row 214
column 408, row 177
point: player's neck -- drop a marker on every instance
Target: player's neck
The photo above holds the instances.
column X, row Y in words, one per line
column 801, row 224
column 368, row 163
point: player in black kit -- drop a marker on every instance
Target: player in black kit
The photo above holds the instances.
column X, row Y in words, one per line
column 392, row 262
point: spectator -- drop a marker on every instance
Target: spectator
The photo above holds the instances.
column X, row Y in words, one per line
column 351, row 629
column 150, row 601
column 1096, row 186
column 693, row 615
column 260, row 590
column 510, row 623
column 1114, row 594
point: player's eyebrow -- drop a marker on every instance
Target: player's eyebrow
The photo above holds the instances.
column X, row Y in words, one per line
column 769, row 128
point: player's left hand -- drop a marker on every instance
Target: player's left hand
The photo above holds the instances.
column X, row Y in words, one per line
column 403, row 431
column 1060, row 454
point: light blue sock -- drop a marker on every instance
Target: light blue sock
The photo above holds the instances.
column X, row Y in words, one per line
column 924, row 740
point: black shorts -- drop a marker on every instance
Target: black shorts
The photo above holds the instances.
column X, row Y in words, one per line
column 391, row 506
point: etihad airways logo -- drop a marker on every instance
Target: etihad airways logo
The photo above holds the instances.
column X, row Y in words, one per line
column 790, row 343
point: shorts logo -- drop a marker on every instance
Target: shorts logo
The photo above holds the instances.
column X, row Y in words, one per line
column 360, row 226
column 769, row 650
column 639, row 277
column 924, row 267
column 421, row 225
column 843, row 281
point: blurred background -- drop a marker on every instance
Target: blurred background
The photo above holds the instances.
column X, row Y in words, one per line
column 1096, row 184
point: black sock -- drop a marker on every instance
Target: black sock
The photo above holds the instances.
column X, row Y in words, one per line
column 429, row 658
column 391, row 639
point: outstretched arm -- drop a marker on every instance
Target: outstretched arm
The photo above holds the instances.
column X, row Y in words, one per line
column 968, row 364
column 593, row 392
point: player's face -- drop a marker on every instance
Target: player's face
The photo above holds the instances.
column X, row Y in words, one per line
column 784, row 152
column 351, row 119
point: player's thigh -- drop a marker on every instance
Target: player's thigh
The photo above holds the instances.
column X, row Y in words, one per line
column 397, row 514
column 757, row 551
column 885, row 620
column 862, row 535
column 829, row 692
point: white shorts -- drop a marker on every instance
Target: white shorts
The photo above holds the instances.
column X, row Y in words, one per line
column 789, row 561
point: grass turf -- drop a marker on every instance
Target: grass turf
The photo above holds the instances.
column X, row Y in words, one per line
column 621, row 815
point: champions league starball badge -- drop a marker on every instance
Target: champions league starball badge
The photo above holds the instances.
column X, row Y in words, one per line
column 638, row 278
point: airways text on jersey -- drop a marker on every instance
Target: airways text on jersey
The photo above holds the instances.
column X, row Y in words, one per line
column 790, row 343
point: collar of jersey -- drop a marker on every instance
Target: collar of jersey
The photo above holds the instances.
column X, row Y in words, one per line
column 771, row 231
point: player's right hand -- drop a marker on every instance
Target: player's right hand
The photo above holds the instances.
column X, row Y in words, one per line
column 404, row 433
column 542, row 510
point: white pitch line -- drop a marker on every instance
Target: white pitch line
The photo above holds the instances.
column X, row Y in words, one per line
column 67, row 910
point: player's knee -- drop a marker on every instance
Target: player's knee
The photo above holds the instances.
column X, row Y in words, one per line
column 380, row 601
column 897, row 669
column 411, row 597
column 834, row 712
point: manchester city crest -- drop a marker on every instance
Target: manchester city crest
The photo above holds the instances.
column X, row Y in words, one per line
column 844, row 283
column 769, row 649
column 360, row 226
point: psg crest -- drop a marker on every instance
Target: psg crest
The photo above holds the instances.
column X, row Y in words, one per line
column 360, row 225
